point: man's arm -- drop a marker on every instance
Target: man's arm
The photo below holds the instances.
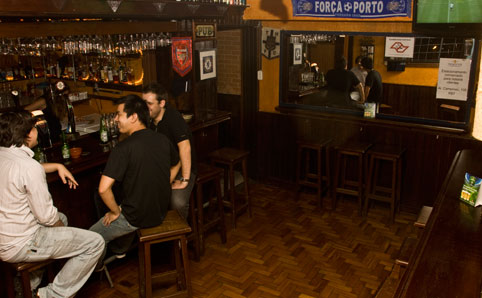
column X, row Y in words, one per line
column 174, row 171
column 64, row 174
column 362, row 94
column 105, row 192
column 367, row 91
column 185, row 156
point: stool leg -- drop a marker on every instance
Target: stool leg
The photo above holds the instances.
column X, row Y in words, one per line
column 336, row 180
column 232, row 194
column 179, row 268
column 246, row 186
column 9, row 280
column 187, row 272
column 219, row 198
column 360, row 184
column 195, row 228
column 368, row 187
column 25, row 277
column 393, row 193
column 298, row 171
column 200, row 216
column 145, row 282
column 319, row 179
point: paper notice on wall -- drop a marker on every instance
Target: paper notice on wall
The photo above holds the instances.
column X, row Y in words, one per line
column 399, row 47
column 453, row 78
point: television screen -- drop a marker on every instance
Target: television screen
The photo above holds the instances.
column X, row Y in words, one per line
column 449, row 11
column 448, row 17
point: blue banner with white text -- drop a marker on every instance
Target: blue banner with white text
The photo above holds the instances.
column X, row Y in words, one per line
column 352, row 9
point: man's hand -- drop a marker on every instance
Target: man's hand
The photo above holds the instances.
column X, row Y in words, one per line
column 110, row 217
column 66, row 176
column 59, row 223
column 178, row 184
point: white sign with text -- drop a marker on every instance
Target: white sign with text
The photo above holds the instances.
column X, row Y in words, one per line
column 453, row 78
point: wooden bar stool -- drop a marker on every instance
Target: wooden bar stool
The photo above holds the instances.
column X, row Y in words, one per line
column 308, row 176
column 343, row 183
column 11, row 269
column 391, row 155
column 229, row 158
column 209, row 174
column 173, row 228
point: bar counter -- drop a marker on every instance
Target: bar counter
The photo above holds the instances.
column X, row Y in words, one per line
column 447, row 261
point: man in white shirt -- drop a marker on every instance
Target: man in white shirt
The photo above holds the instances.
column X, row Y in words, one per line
column 31, row 228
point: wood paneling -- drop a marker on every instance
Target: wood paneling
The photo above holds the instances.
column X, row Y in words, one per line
column 427, row 159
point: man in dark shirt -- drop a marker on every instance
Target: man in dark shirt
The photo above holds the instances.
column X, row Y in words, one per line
column 144, row 164
column 340, row 83
column 373, row 82
column 168, row 121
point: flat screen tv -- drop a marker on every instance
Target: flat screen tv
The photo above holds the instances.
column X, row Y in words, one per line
column 448, row 17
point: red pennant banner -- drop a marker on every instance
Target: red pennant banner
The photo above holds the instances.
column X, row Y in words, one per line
column 181, row 55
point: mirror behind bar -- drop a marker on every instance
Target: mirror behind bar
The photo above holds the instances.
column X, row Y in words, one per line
column 409, row 85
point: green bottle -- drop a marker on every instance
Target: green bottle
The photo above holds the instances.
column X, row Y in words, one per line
column 39, row 155
column 65, row 148
column 104, row 134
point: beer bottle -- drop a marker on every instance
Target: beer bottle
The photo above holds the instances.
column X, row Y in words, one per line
column 104, row 134
column 65, row 148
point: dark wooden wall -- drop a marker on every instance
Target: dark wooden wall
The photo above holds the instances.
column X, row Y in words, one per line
column 427, row 159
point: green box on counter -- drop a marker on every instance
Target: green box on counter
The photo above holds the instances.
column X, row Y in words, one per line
column 470, row 190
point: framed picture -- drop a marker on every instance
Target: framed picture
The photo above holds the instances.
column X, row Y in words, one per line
column 207, row 64
column 297, row 53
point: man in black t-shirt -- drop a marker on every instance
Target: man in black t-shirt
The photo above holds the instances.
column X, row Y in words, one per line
column 373, row 82
column 169, row 122
column 144, row 165
column 340, row 82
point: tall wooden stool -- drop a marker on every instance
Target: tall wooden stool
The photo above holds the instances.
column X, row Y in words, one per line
column 230, row 157
column 344, row 182
column 209, row 174
column 11, row 270
column 173, row 228
column 308, row 176
column 384, row 193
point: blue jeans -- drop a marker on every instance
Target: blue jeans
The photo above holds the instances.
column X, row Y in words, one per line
column 82, row 247
column 116, row 229
column 180, row 197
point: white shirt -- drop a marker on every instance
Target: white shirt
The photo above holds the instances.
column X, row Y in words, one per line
column 360, row 74
column 25, row 201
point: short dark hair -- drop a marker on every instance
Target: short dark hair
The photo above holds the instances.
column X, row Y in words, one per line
column 15, row 128
column 340, row 63
column 135, row 104
column 358, row 59
column 157, row 89
column 367, row 63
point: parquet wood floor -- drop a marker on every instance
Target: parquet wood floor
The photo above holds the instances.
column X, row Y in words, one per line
column 288, row 248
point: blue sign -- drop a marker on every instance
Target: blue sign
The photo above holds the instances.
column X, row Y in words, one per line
column 352, row 9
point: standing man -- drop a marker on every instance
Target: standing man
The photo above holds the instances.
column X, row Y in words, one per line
column 31, row 228
column 168, row 121
column 359, row 71
column 145, row 164
column 373, row 82
column 340, row 82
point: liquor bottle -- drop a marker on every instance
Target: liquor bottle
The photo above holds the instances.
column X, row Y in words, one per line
column 70, row 116
column 39, row 154
column 104, row 135
column 65, row 148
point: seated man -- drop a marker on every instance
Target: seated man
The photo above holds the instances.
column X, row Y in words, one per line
column 31, row 228
column 144, row 164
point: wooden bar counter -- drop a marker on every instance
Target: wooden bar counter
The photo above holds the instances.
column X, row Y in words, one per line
column 447, row 261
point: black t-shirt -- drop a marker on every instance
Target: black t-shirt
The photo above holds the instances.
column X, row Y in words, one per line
column 142, row 163
column 340, row 83
column 374, row 81
column 175, row 128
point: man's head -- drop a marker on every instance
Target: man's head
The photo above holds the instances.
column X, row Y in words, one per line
column 358, row 60
column 17, row 129
column 132, row 114
column 340, row 63
column 155, row 95
column 367, row 63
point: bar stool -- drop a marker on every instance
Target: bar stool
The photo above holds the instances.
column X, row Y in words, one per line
column 229, row 158
column 305, row 174
column 342, row 184
column 11, row 270
column 209, row 174
column 173, row 228
column 383, row 193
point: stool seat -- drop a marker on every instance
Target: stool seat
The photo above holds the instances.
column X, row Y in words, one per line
column 391, row 155
column 173, row 228
column 351, row 150
column 306, row 174
column 229, row 158
column 209, row 174
column 25, row 268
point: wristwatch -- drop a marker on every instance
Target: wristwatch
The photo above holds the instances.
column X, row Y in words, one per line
column 182, row 179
